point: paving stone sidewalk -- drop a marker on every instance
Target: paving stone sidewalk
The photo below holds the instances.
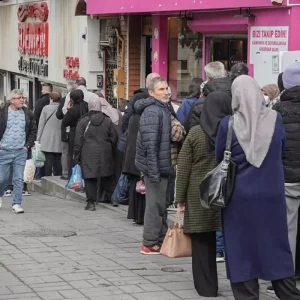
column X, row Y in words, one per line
column 101, row 262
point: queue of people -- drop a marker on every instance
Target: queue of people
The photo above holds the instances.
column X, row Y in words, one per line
column 171, row 151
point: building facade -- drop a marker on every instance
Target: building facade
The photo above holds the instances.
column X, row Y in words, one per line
column 186, row 35
column 43, row 41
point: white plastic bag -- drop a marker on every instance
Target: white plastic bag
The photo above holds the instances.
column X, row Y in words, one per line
column 29, row 170
column 38, row 156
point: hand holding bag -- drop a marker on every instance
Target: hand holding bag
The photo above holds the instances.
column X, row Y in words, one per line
column 176, row 243
column 140, row 187
column 217, row 187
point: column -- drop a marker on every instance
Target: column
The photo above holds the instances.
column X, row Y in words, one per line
column 160, row 45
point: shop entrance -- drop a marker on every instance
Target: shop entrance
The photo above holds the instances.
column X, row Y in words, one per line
column 227, row 48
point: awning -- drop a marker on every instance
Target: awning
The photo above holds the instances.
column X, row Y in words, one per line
column 80, row 8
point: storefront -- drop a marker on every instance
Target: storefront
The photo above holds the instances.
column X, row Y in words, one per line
column 186, row 35
column 44, row 42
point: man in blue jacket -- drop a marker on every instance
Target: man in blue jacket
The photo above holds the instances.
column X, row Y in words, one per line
column 153, row 159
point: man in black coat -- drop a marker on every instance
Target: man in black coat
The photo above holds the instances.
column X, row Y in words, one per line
column 153, row 159
column 47, row 88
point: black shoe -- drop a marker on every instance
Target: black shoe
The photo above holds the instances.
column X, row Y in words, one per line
column 270, row 290
column 64, row 177
column 90, row 206
column 114, row 204
column 220, row 256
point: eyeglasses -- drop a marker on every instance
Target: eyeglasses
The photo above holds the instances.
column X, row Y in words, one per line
column 18, row 98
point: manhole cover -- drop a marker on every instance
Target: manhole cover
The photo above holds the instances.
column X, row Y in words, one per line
column 172, row 270
column 45, row 233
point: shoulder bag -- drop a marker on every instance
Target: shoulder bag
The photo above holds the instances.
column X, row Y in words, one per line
column 216, row 189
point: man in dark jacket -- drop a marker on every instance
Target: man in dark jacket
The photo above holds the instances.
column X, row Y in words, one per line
column 153, row 159
column 47, row 88
column 289, row 108
column 217, row 81
column 17, row 135
column 141, row 93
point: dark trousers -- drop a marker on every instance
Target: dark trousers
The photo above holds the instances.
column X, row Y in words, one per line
column 285, row 289
column 155, row 219
column 53, row 164
column 91, row 186
column 204, row 264
column 99, row 189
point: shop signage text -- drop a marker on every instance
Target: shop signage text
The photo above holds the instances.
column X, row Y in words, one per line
column 71, row 62
column 33, row 36
column 267, row 40
column 33, row 66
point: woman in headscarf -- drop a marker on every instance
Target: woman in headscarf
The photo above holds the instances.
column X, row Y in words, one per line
column 77, row 108
column 271, row 93
column 255, row 221
column 195, row 160
column 96, row 139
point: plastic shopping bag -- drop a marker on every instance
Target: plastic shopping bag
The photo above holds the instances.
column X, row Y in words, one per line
column 140, row 187
column 38, row 156
column 121, row 192
column 29, row 170
column 75, row 182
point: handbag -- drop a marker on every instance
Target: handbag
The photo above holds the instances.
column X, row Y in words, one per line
column 176, row 242
column 216, row 189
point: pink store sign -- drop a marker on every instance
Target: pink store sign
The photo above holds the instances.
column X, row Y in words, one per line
column 95, row 7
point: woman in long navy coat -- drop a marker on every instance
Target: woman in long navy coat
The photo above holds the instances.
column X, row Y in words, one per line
column 255, row 221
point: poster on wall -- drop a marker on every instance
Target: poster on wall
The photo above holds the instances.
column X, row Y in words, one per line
column 268, row 40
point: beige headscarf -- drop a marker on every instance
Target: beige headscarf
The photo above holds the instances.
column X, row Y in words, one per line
column 105, row 107
column 254, row 123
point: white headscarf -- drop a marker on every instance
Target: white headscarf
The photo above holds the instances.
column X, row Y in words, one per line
column 254, row 123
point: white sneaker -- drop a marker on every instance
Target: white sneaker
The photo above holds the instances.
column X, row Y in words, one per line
column 7, row 193
column 17, row 209
column 0, row 202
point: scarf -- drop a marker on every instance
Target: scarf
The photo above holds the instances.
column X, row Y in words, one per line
column 254, row 123
column 217, row 106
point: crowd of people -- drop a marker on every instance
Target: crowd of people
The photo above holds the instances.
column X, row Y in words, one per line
column 171, row 149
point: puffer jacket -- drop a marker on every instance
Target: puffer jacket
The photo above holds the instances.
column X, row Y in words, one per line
column 153, row 146
column 289, row 108
column 219, row 84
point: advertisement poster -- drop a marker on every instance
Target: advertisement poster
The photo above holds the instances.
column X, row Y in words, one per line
column 268, row 40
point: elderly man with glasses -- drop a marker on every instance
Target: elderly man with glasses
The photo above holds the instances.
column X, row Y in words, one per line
column 17, row 135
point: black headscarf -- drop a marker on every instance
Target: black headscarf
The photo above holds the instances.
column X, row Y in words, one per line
column 217, row 105
column 280, row 83
column 77, row 96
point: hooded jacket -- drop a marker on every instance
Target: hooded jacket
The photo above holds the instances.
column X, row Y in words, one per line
column 95, row 144
column 30, row 125
column 139, row 94
column 289, row 108
column 153, row 146
column 219, row 84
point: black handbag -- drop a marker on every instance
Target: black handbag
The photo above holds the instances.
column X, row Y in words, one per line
column 217, row 187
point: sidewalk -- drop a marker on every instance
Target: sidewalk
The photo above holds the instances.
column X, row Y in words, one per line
column 100, row 262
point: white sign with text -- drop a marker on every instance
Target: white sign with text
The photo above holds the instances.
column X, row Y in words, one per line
column 267, row 40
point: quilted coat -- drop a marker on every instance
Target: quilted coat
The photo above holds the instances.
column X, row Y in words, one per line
column 95, row 145
column 153, row 146
column 194, row 162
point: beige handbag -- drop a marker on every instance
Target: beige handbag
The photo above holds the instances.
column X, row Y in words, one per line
column 176, row 243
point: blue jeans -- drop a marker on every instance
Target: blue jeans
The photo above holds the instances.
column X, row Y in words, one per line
column 15, row 159
column 220, row 244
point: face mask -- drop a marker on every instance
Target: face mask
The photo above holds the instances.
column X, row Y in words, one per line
column 267, row 99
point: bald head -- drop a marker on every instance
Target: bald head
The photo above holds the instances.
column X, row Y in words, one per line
column 150, row 77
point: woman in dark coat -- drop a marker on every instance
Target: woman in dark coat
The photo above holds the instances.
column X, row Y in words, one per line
column 76, row 109
column 255, row 221
column 137, row 202
column 95, row 141
column 195, row 160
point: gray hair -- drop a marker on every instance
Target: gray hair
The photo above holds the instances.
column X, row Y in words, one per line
column 154, row 81
column 16, row 92
column 215, row 70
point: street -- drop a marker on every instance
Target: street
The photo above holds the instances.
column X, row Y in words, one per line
column 56, row 250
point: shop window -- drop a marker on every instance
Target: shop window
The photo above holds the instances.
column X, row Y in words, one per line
column 185, row 58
